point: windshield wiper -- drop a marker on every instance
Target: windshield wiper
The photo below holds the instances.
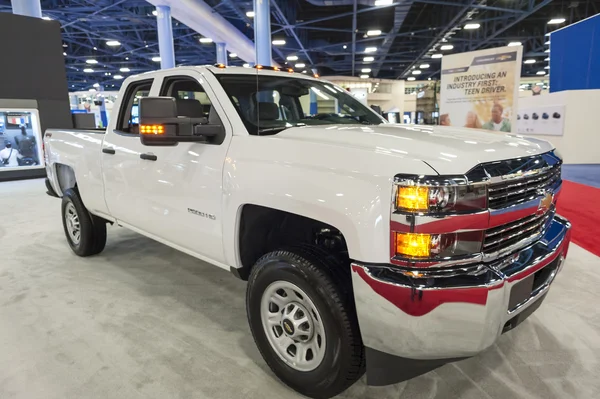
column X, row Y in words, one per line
column 273, row 129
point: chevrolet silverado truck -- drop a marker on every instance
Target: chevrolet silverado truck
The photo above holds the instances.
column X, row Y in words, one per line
column 366, row 245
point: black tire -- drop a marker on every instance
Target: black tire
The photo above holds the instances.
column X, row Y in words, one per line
column 326, row 280
column 92, row 228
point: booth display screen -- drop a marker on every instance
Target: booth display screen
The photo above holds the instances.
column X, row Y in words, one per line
column 20, row 140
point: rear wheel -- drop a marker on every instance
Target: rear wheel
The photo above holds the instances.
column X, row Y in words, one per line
column 85, row 233
column 301, row 313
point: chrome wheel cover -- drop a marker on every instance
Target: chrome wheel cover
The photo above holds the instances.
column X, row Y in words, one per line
column 293, row 326
column 72, row 223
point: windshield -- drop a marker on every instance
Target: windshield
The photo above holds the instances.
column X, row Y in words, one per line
column 270, row 104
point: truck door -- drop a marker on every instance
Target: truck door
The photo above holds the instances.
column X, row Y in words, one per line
column 178, row 191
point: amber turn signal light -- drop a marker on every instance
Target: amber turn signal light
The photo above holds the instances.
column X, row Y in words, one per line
column 413, row 198
column 413, row 245
column 152, row 129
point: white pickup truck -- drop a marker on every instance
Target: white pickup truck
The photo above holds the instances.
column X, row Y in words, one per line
column 366, row 245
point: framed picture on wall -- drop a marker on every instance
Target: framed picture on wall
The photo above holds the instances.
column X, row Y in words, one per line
column 20, row 140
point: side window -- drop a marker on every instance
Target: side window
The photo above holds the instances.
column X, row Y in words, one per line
column 129, row 121
column 190, row 97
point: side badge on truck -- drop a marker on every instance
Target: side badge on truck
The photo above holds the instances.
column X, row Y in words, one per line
column 204, row 215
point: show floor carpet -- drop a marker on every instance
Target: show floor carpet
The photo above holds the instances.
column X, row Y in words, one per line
column 144, row 321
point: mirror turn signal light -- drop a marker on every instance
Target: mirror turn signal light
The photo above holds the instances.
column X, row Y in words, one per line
column 413, row 245
column 152, row 129
column 413, row 198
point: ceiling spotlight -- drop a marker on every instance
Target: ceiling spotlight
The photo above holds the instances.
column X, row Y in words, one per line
column 92, row 90
column 155, row 13
column 529, row 62
column 156, row 59
column 88, row 70
column 47, row 18
column 125, row 70
column 95, row 48
column 514, row 44
column 547, row 43
column 424, row 66
column 278, row 42
column 91, row 61
column 411, row 78
column 447, row 47
column 233, row 55
column 96, row 85
column 383, row 2
column 437, row 55
column 416, row 72
column 292, row 58
column 365, row 70
column 345, row 47
column 127, row 58
column 206, row 40
column 375, row 32
column 547, row 50
column 113, row 43
column 369, row 59
column 541, row 73
column 556, row 21
column 246, row 65
column 364, row 76
column 250, row 14
column 547, row 59
column 472, row 26
column 118, row 77
column 65, row 54
column 547, row 67
column 300, row 65
column 370, row 49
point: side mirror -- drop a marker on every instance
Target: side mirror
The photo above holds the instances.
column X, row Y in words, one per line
column 160, row 124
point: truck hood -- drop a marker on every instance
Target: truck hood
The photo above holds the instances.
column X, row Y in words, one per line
column 448, row 150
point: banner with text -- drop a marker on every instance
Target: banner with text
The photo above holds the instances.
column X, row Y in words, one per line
column 480, row 89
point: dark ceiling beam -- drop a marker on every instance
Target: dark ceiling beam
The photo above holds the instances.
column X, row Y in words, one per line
column 354, row 23
column 280, row 16
column 342, row 15
column 498, row 30
column 451, row 24
column 476, row 6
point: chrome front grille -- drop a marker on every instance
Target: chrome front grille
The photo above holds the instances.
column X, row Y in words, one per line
column 515, row 234
column 510, row 192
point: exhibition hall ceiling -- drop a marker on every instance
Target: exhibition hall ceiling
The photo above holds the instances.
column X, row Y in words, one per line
column 107, row 40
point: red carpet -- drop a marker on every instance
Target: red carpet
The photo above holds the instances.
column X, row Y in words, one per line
column 579, row 203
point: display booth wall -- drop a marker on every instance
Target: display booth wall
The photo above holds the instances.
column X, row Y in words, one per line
column 32, row 73
column 580, row 141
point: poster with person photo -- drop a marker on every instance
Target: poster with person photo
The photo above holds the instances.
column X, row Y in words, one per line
column 479, row 89
column 20, row 140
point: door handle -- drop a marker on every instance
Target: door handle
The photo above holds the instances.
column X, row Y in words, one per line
column 149, row 157
column 108, row 150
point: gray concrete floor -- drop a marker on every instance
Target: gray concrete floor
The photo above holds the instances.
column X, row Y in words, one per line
column 144, row 321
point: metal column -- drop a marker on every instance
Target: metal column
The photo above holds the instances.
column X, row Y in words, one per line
column 314, row 108
column 165, row 37
column 221, row 53
column 103, row 115
column 262, row 31
column 29, row 8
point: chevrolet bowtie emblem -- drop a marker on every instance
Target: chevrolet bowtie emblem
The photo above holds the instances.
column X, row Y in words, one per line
column 545, row 203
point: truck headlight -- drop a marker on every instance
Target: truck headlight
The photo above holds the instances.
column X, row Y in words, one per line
column 437, row 246
column 440, row 195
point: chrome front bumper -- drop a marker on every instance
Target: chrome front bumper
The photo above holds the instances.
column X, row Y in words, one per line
column 456, row 313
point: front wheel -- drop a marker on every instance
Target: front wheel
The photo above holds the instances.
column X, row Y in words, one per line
column 301, row 313
column 86, row 233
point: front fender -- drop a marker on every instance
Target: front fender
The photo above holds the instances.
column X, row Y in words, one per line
column 350, row 196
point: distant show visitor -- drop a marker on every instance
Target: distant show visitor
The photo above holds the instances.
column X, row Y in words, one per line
column 9, row 156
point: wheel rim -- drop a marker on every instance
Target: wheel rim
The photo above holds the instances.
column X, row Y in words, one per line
column 293, row 326
column 72, row 223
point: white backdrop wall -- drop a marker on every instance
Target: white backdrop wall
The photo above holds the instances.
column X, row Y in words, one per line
column 580, row 143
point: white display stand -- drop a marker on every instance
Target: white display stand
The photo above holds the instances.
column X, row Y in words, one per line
column 580, row 141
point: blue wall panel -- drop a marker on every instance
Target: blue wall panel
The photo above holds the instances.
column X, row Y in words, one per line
column 575, row 56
